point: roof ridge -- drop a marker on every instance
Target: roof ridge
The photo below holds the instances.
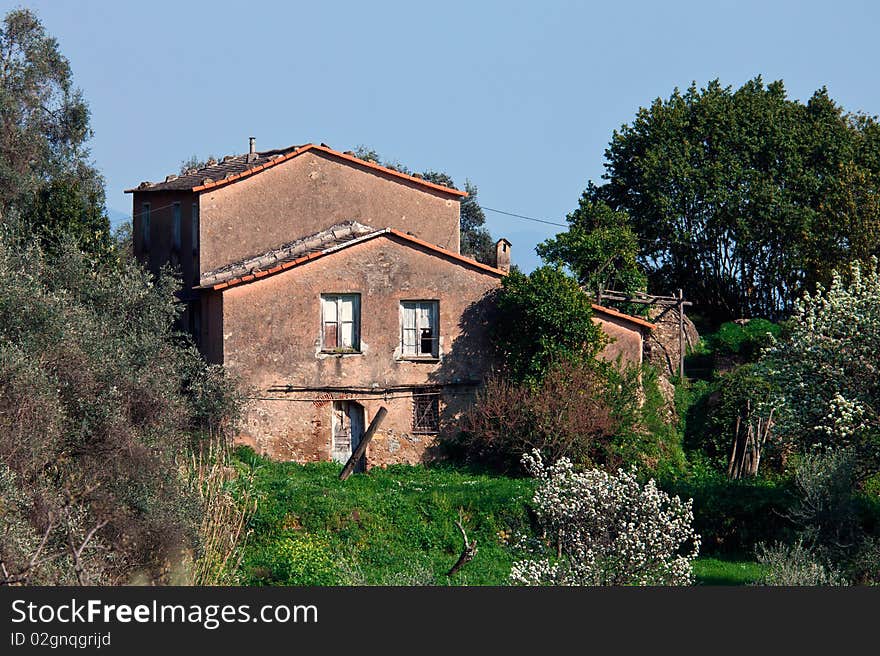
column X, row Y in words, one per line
column 221, row 173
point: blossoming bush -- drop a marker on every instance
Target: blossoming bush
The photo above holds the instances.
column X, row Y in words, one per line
column 826, row 370
column 606, row 529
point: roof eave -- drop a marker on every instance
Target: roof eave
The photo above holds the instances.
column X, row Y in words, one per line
column 303, row 149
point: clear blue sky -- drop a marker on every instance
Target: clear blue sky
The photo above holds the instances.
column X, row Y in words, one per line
column 521, row 98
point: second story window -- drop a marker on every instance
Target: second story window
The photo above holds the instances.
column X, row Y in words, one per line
column 420, row 329
column 175, row 226
column 145, row 225
column 340, row 321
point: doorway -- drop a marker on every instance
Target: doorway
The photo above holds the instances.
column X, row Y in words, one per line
column 348, row 430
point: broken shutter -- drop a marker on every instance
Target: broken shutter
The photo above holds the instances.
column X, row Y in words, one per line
column 331, row 324
column 410, row 328
column 419, row 328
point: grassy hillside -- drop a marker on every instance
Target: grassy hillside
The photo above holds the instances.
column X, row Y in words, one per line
column 395, row 526
column 391, row 526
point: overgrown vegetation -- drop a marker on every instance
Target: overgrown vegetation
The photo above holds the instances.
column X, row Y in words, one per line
column 390, row 526
column 102, row 403
column 99, row 405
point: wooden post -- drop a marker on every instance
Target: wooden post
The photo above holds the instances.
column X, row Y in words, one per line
column 362, row 447
column 681, row 334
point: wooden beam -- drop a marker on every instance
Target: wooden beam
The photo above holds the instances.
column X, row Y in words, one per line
column 362, row 447
column 681, row 335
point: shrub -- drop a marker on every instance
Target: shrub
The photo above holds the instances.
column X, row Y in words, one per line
column 566, row 414
column 797, row 565
column 825, row 511
column 745, row 340
column 543, row 318
column 732, row 516
column 826, row 369
column 98, row 402
column 606, row 529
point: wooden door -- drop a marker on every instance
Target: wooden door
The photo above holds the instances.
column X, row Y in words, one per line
column 348, row 430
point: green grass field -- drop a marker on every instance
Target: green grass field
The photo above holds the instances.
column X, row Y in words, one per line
column 716, row 571
column 395, row 526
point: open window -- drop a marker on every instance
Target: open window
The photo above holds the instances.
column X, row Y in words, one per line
column 420, row 329
column 340, row 322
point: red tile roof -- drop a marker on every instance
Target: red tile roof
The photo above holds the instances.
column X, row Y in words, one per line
column 294, row 261
column 601, row 309
column 238, row 167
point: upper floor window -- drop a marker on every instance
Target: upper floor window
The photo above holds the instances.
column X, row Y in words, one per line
column 195, row 227
column 420, row 329
column 145, row 225
column 175, row 226
column 340, row 320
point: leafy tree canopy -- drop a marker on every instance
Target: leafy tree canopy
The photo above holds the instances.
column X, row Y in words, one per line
column 46, row 179
column 600, row 248
column 543, row 318
column 745, row 198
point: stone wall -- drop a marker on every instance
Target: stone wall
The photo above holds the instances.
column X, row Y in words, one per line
column 662, row 345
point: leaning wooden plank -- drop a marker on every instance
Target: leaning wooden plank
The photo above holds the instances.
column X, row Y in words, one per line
column 362, row 447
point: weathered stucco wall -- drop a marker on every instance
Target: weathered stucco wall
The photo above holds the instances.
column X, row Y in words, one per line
column 626, row 339
column 272, row 338
column 297, row 426
column 309, row 193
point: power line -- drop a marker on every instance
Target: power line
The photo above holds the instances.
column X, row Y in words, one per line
column 527, row 218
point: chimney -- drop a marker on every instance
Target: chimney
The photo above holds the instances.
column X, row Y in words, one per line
column 502, row 255
column 252, row 149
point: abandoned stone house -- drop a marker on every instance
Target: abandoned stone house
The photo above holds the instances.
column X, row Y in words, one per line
column 332, row 286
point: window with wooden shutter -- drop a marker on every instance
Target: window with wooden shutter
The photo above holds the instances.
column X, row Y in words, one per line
column 340, row 321
column 420, row 334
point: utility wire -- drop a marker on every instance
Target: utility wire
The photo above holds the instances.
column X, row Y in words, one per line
column 527, row 218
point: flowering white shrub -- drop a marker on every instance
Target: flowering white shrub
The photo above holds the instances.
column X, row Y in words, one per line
column 827, row 369
column 606, row 529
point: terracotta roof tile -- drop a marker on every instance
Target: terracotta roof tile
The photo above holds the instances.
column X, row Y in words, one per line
column 236, row 167
column 623, row 316
column 322, row 244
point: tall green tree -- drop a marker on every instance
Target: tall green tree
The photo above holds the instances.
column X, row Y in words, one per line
column 46, row 178
column 599, row 247
column 745, row 198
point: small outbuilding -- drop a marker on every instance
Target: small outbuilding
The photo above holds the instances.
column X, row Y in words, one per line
column 627, row 332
